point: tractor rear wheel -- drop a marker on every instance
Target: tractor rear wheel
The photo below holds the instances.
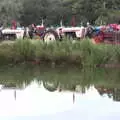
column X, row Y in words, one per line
column 50, row 36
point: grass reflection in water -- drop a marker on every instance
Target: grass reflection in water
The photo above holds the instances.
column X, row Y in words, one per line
column 106, row 81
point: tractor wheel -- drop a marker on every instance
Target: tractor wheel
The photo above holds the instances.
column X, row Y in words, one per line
column 50, row 36
column 9, row 36
column 12, row 37
column 51, row 86
column 99, row 38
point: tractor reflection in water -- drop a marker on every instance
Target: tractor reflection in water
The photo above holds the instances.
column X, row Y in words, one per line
column 113, row 93
column 54, row 86
column 51, row 85
column 13, row 87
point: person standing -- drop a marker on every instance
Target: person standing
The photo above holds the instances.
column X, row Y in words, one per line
column 32, row 30
column 14, row 24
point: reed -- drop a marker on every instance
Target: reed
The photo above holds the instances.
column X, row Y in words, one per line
column 83, row 53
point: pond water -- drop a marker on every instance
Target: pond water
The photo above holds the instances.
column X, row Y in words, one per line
column 59, row 94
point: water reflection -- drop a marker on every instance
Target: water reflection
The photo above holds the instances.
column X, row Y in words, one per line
column 63, row 90
column 75, row 80
column 113, row 93
column 51, row 86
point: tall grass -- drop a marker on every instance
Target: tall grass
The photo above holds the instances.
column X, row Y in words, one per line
column 24, row 49
column 80, row 52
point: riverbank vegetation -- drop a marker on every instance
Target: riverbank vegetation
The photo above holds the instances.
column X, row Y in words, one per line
column 80, row 53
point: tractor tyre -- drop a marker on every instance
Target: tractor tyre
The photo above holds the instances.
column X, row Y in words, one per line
column 99, row 38
column 50, row 36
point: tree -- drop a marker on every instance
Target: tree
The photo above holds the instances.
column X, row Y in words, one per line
column 10, row 10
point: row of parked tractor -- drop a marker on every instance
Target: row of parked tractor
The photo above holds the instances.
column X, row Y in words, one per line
column 100, row 34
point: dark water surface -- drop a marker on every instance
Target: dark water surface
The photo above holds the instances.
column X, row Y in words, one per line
column 39, row 93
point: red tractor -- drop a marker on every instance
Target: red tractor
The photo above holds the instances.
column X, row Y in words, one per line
column 108, row 34
column 53, row 34
column 42, row 32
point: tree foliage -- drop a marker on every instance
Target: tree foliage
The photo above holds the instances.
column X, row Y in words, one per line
column 52, row 11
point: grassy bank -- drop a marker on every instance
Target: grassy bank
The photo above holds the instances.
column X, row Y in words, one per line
column 83, row 53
